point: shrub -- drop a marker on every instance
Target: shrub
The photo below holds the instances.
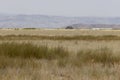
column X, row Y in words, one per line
column 69, row 27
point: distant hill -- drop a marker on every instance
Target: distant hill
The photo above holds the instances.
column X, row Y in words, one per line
column 90, row 26
column 44, row 21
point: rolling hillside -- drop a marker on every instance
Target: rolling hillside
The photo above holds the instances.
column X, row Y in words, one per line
column 44, row 21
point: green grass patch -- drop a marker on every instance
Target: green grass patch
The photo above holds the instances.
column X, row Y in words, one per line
column 28, row 50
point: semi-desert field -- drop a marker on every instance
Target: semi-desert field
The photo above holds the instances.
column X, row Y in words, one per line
column 59, row 54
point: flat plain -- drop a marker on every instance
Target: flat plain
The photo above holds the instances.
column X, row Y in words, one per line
column 63, row 54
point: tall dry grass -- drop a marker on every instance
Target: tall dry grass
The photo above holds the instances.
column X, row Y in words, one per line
column 89, row 55
column 26, row 61
column 27, row 51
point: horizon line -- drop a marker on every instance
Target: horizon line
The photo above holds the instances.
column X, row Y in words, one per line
column 60, row 15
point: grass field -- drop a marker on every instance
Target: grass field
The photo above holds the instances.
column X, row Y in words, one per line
column 58, row 54
column 58, row 32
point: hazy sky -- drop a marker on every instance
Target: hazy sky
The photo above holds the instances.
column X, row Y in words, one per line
column 99, row 8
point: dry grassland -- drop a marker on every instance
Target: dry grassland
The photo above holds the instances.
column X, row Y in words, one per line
column 58, row 32
column 50, row 59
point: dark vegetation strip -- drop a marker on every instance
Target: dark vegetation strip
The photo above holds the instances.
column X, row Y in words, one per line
column 29, row 51
column 41, row 37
